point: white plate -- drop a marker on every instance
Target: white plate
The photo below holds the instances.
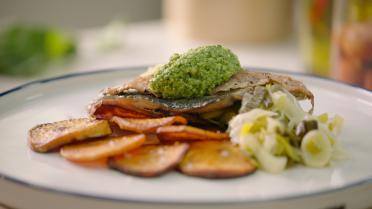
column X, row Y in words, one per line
column 67, row 96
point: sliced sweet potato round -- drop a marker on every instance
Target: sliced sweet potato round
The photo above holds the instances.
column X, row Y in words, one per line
column 49, row 136
column 148, row 125
column 188, row 133
column 149, row 161
column 95, row 150
column 151, row 139
column 108, row 111
column 97, row 164
column 215, row 159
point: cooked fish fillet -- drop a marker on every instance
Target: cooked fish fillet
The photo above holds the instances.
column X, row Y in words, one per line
column 149, row 161
column 140, row 83
column 215, row 159
column 248, row 79
column 49, row 136
column 244, row 79
column 136, row 96
column 147, row 104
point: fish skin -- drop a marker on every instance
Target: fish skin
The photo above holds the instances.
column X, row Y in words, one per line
column 245, row 79
column 140, row 84
column 249, row 80
column 152, row 102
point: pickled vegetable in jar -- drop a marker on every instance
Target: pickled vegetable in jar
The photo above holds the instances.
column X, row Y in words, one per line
column 352, row 42
column 314, row 30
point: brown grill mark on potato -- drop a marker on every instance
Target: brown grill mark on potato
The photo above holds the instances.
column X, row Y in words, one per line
column 148, row 125
column 149, row 161
column 215, row 159
column 49, row 136
column 188, row 133
column 95, row 150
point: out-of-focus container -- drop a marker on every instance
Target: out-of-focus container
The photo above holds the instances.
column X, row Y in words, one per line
column 229, row 20
column 314, row 24
column 352, row 42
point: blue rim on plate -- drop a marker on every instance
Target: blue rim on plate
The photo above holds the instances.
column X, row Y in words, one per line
column 77, row 194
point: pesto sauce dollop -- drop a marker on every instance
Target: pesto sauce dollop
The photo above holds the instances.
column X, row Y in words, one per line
column 195, row 73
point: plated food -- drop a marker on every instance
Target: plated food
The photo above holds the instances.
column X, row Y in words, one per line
column 201, row 114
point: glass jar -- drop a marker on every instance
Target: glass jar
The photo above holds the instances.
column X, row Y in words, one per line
column 314, row 24
column 352, row 42
column 229, row 21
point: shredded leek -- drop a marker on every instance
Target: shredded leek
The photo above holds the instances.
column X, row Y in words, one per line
column 289, row 150
column 270, row 162
column 283, row 132
column 316, row 149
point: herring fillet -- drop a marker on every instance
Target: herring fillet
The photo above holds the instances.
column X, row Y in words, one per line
column 136, row 94
column 241, row 80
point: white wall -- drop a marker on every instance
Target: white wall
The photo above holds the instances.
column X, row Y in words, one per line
column 78, row 13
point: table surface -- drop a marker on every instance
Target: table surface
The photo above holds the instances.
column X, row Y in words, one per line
column 150, row 43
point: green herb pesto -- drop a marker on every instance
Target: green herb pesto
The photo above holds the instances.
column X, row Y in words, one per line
column 195, row 73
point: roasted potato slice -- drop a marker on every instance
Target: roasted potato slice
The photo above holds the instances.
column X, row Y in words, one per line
column 215, row 159
column 49, row 136
column 97, row 164
column 116, row 131
column 151, row 160
column 148, row 125
column 151, row 139
column 183, row 132
column 95, row 150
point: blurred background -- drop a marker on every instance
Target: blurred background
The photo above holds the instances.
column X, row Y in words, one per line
column 43, row 38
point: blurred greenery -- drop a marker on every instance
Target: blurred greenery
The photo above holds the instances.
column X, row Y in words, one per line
column 26, row 50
